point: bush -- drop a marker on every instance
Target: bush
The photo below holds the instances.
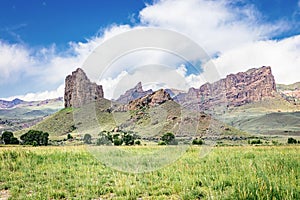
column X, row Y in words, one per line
column 8, row 138
column 87, row 139
column 292, row 141
column 162, row 143
column 169, row 138
column 128, row 139
column 120, row 137
column 118, row 141
column 69, row 136
column 35, row 137
column 255, row 141
column 138, row 142
column 104, row 139
column 198, row 142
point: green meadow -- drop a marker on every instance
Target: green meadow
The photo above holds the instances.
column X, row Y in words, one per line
column 251, row 172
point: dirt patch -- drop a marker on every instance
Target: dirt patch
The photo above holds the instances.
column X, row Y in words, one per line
column 4, row 194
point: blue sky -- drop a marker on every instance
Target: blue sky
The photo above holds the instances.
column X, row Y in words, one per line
column 42, row 22
column 42, row 41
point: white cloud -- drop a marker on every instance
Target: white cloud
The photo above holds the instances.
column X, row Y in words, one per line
column 14, row 59
column 152, row 77
column 216, row 25
column 46, row 68
column 283, row 56
column 236, row 34
column 59, row 92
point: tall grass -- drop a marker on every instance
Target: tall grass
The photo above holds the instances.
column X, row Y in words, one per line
column 226, row 173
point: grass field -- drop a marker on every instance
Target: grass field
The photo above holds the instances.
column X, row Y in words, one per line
column 254, row 172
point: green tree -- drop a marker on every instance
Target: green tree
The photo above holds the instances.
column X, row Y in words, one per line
column 168, row 138
column 118, row 141
column 8, row 138
column 44, row 138
column 35, row 137
column 197, row 142
column 87, row 138
column 69, row 136
column 128, row 139
column 292, row 141
column 105, row 138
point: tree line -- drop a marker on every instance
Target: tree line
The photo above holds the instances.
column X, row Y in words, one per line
column 32, row 137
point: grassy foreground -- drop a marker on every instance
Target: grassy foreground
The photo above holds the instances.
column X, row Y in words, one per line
column 225, row 173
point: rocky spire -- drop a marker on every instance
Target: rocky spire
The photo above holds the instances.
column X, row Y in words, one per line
column 79, row 90
column 134, row 93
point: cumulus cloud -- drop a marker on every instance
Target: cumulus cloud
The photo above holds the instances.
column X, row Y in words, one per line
column 42, row 69
column 216, row 25
column 283, row 56
column 13, row 60
column 59, row 92
column 234, row 37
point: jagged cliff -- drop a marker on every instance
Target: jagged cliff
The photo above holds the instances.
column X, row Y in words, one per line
column 151, row 100
column 234, row 90
column 132, row 94
column 79, row 90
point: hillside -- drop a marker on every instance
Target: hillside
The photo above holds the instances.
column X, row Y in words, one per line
column 18, row 114
column 271, row 116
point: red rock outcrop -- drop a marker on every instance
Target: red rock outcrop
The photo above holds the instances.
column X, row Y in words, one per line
column 151, row 100
column 234, row 90
column 79, row 90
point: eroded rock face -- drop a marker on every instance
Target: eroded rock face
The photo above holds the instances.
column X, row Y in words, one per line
column 234, row 90
column 151, row 100
column 79, row 90
column 134, row 93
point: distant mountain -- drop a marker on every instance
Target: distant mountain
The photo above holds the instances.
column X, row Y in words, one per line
column 250, row 100
column 18, row 103
column 290, row 92
column 10, row 104
column 18, row 114
column 234, row 90
column 132, row 94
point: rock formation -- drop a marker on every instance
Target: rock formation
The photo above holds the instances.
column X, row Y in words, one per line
column 134, row 93
column 79, row 90
column 151, row 100
column 234, row 90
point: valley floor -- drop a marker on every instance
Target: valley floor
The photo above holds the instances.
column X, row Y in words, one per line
column 251, row 172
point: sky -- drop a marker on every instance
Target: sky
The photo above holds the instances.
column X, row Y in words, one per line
column 43, row 41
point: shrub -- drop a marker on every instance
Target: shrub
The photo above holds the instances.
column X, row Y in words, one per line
column 128, row 139
column 118, row 141
column 33, row 136
column 87, row 139
column 118, row 138
column 169, row 138
column 255, row 141
column 69, row 136
column 137, row 142
column 198, row 142
column 292, row 141
column 162, row 143
column 8, row 138
column 104, row 139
